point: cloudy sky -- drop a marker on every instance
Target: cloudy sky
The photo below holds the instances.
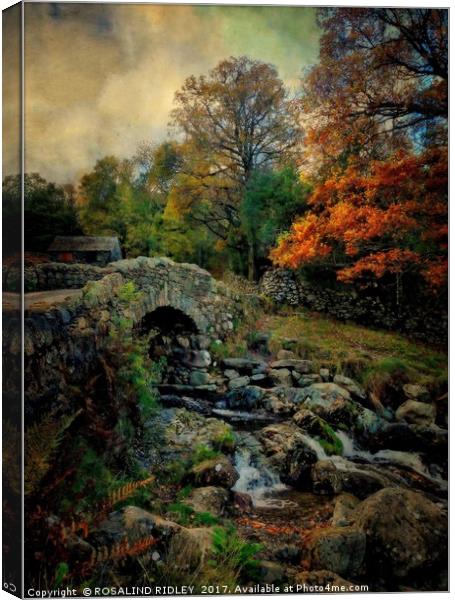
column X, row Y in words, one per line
column 101, row 78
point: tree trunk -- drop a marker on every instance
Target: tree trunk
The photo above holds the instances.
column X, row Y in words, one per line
column 252, row 266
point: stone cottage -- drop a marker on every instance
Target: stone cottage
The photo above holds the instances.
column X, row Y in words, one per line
column 97, row 250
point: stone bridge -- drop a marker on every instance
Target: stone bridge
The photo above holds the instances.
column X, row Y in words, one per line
column 63, row 341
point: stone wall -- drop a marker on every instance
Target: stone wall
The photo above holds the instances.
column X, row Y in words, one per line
column 54, row 276
column 63, row 344
column 422, row 321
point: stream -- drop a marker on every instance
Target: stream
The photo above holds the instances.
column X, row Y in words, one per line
column 305, row 458
column 265, row 486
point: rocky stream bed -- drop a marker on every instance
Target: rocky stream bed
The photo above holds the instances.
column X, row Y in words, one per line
column 335, row 486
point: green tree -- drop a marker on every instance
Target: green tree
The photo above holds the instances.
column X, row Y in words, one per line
column 127, row 198
column 102, row 195
column 271, row 202
column 49, row 209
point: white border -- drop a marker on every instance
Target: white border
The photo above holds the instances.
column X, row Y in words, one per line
column 416, row 4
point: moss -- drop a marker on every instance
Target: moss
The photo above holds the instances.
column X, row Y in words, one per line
column 330, row 442
column 224, row 441
column 202, row 453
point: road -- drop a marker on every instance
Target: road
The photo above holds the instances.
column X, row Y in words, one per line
column 39, row 301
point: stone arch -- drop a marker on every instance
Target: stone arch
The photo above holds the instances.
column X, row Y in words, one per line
column 173, row 297
column 169, row 320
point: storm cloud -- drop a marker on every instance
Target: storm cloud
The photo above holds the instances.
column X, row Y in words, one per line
column 100, row 78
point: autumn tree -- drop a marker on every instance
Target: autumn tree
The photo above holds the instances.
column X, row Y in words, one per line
column 157, row 166
column 235, row 121
column 390, row 220
column 381, row 82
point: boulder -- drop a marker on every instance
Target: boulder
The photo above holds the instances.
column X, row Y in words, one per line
column 185, row 430
column 239, row 382
column 199, row 378
column 334, row 404
column 337, row 549
column 231, row 374
column 316, row 427
column 241, row 364
column 289, row 452
column 306, row 380
column 281, row 377
column 208, row 499
column 325, row 374
column 197, row 359
column 132, row 523
column 418, row 413
column 214, row 472
column 337, row 474
column 290, row 395
column 323, row 395
column 343, row 510
column 405, row 531
column 278, row 406
column 244, row 398
column 351, row 386
column 416, row 392
column 261, row 368
column 189, row 548
column 243, row 502
column 430, row 440
column 301, row 366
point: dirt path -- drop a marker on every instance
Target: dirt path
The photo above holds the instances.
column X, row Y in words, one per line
column 39, row 301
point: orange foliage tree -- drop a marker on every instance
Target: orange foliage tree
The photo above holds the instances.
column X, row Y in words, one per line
column 381, row 78
column 389, row 219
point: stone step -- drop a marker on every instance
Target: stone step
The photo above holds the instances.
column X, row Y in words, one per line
column 179, row 389
column 199, row 406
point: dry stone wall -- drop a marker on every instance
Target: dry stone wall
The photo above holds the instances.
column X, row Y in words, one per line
column 423, row 321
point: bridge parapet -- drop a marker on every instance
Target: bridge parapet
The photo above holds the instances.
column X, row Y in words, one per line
column 65, row 340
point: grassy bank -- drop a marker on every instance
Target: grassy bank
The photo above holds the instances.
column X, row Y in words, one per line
column 345, row 347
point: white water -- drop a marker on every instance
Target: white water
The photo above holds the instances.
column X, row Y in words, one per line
column 260, row 482
column 256, row 479
column 412, row 460
column 316, row 447
column 239, row 415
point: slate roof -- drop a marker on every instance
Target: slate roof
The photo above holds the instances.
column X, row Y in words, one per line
column 83, row 243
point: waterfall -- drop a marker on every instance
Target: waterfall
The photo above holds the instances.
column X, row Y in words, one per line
column 411, row 460
column 256, row 479
column 316, row 447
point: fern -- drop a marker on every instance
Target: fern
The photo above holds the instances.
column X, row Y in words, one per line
column 122, row 550
column 125, row 491
column 42, row 440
